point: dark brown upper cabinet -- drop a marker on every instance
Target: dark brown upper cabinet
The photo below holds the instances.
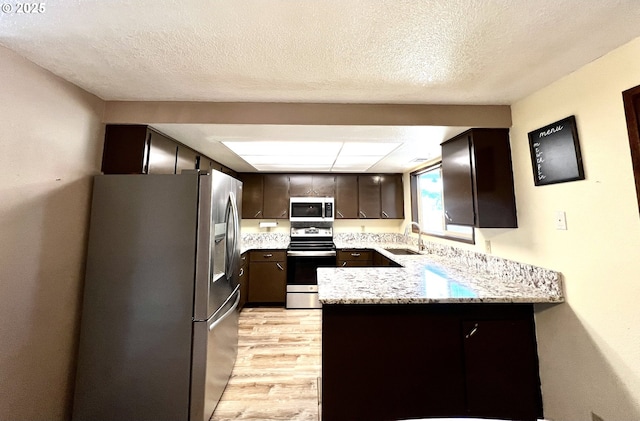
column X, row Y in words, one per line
column 139, row 149
column 265, row 196
column 136, row 149
column 364, row 196
column 187, row 159
column 380, row 196
column 276, row 196
column 252, row 195
column 318, row 185
column 477, row 179
column 391, row 196
column 346, row 198
column 369, row 197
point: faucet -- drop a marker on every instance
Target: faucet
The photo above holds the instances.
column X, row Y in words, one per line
column 406, row 234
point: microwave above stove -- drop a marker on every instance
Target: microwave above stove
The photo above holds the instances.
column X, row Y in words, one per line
column 311, row 209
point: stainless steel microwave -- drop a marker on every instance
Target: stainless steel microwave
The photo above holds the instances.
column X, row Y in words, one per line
column 311, row 209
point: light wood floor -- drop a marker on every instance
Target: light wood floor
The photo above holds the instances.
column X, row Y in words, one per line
column 278, row 367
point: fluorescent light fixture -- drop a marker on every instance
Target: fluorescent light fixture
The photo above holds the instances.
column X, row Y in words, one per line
column 281, row 148
column 368, row 148
column 357, row 160
column 274, row 155
column 300, row 168
column 295, row 160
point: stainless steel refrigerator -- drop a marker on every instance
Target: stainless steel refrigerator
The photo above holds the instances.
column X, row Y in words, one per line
column 159, row 327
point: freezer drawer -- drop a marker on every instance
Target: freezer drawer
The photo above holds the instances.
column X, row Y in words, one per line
column 215, row 346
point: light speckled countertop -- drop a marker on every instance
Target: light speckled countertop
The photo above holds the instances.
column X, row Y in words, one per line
column 440, row 274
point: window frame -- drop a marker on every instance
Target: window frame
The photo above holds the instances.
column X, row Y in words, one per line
column 415, row 213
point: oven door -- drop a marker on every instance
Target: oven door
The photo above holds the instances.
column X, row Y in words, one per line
column 302, row 280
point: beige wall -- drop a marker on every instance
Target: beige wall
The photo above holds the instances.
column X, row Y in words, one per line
column 50, row 139
column 589, row 347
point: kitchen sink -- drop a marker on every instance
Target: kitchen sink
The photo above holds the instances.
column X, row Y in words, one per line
column 402, row 251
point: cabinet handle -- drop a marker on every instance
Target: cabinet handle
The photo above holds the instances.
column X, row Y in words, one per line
column 241, row 272
column 363, row 214
column 266, row 256
column 284, row 213
column 355, row 254
column 257, row 213
column 446, row 215
column 344, row 264
column 473, row 331
column 385, row 214
column 279, row 266
column 340, row 214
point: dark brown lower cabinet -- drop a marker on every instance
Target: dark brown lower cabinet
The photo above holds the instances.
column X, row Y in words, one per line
column 501, row 368
column 243, row 279
column 355, row 257
column 267, row 276
column 391, row 362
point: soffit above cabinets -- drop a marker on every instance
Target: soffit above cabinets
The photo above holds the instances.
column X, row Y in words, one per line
column 338, row 52
column 291, row 148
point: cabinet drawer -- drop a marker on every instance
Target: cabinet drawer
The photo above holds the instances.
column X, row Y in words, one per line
column 354, row 263
column 355, row 254
column 268, row 256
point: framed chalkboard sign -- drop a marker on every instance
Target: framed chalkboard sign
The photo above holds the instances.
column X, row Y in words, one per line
column 555, row 153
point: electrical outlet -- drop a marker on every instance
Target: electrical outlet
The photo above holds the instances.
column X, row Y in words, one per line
column 487, row 246
column 595, row 417
column 561, row 220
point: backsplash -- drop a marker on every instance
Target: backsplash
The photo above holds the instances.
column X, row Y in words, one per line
column 274, row 240
column 367, row 237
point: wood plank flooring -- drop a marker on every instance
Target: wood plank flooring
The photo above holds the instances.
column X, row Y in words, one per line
column 278, row 367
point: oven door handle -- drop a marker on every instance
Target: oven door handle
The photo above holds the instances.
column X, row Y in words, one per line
column 297, row 253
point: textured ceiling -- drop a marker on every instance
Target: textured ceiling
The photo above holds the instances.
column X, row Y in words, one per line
column 336, row 51
column 418, row 51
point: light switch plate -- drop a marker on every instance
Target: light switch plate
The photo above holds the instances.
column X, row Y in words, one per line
column 561, row 220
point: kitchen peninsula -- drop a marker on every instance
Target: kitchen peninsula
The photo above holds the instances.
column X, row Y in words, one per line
column 449, row 333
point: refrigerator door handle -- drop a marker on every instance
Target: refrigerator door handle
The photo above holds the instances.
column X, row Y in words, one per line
column 227, row 313
column 236, row 235
column 232, row 212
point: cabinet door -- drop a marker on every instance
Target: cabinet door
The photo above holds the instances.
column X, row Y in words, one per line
column 252, row 194
column 390, row 363
column 276, row 196
column 457, row 182
column 324, row 186
column 204, row 163
column 162, row 154
column 267, row 282
column 300, row 185
column 346, row 197
column 501, row 365
column 495, row 204
column 186, row 160
column 243, row 279
column 369, row 196
column 391, row 196
column 125, row 148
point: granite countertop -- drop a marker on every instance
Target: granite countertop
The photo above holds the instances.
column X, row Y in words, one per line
column 440, row 274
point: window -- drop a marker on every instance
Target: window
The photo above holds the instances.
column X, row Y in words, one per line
column 427, row 206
